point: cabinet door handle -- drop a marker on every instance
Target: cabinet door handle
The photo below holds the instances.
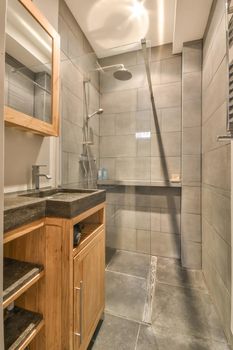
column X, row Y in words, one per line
column 80, row 289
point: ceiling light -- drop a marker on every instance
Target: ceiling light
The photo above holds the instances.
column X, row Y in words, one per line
column 138, row 9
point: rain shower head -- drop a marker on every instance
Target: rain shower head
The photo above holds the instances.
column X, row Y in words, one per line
column 100, row 111
column 122, row 74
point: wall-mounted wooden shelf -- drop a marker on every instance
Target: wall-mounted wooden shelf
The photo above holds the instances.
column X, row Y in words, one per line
column 20, row 328
column 18, row 277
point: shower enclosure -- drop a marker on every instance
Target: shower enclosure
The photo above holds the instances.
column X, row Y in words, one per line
column 112, row 124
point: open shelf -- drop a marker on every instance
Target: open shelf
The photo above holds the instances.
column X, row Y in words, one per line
column 20, row 327
column 88, row 231
column 18, row 277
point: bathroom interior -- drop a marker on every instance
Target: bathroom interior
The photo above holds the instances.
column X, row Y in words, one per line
column 115, row 177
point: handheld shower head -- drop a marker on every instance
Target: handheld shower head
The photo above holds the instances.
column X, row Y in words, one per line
column 100, row 111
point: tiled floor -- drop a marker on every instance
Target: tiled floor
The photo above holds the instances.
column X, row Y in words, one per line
column 126, row 285
column 183, row 316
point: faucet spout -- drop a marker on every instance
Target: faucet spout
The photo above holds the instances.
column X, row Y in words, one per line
column 48, row 177
column 36, row 176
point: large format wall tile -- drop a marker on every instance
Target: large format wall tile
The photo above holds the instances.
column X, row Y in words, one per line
column 77, row 59
column 138, row 168
column 192, row 60
column 191, row 169
column 191, row 200
column 118, row 146
column 120, row 101
column 215, row 95
column 129, row 150
column 165, row 244
column 192, row 112
column 192, row 141
column 191, row 227
column 167, row 95
column 170, row 143
column 191, row 155
column 144, row 219
column 216, row 159
column 171, row 70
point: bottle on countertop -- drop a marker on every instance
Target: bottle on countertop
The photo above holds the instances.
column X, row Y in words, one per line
column 100, row 174
column 104, row 174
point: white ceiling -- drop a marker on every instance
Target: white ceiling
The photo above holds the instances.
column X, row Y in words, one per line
column 112, row 23
column 190, row 21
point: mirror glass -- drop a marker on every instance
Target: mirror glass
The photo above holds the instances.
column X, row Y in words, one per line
column 28, row 73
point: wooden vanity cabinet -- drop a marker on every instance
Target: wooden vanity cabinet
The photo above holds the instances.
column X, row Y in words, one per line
column 69, row 292
column 88, row 270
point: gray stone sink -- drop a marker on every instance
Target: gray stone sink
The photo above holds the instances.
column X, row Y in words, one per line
column 23, row 208
column 59, row 193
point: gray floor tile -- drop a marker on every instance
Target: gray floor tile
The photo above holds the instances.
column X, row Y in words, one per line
column 125, row 295
column 171, row 272
column 130, row 263
column 116, row 334
column 187, row 311
column 163, row 339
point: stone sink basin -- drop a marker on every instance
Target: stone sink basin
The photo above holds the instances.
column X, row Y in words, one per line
column 26, row 207
column 60, row 193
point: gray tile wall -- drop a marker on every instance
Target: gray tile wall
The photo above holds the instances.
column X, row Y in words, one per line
column 127, row 111
column 77, row 60
column 216, row 158
column 144, row 219
column 191, row 155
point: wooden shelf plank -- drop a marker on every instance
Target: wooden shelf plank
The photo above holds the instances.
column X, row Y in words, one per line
column 18, row 277
column 20, row 327
column 88, row 232
column 23, row 230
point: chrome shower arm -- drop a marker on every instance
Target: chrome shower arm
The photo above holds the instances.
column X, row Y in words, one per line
column 102, row 69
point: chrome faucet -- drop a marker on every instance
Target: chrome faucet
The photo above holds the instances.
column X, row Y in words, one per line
column 36, row 176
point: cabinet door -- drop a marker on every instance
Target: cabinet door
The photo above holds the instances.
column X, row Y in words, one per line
column 89, row 267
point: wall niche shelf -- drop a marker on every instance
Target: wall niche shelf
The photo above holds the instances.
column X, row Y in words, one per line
column 18, row 277
column 138, row 183
column 20, row 327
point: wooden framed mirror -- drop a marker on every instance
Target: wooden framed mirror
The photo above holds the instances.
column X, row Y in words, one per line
column 32, row 70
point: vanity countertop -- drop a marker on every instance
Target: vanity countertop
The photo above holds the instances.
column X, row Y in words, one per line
column 24, row 207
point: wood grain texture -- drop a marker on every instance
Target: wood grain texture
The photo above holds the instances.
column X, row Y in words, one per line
column 23, row 230
column 49, row 242
column 89, row 267
column 42, row 246
column 88, row 213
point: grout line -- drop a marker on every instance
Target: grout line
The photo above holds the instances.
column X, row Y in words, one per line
column 109, row 312
column 126, row 274
column 139, row 327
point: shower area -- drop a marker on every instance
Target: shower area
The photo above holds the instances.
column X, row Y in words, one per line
column 125, row 122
